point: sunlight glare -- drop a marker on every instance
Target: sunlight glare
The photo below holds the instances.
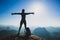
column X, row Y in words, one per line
column 37, row 8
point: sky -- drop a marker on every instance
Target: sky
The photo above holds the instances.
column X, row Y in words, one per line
column 46, row 12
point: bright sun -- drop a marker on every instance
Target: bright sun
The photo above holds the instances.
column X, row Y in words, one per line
column 39, row 10
column 37, row 7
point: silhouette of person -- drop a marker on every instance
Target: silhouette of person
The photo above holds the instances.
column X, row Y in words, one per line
column 23, row 19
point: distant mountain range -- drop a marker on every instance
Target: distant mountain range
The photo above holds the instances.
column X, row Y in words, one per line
column 51, row 33
column 42, row 32
column 48, row 33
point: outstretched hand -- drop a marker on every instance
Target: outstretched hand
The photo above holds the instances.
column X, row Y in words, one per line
column 12, row 14
column 32, row 13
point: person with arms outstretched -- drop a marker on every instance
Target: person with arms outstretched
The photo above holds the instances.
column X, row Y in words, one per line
column 23, row 19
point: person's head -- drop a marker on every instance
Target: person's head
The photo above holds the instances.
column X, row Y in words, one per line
column 23, row 10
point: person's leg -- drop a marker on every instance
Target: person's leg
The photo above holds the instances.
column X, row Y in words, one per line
column 25, row 24
column 20, row 26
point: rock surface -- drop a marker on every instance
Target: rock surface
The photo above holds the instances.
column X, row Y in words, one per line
column 22, row 37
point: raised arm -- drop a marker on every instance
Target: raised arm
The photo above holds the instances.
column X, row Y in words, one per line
column 29, row 13
column 15, row 13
